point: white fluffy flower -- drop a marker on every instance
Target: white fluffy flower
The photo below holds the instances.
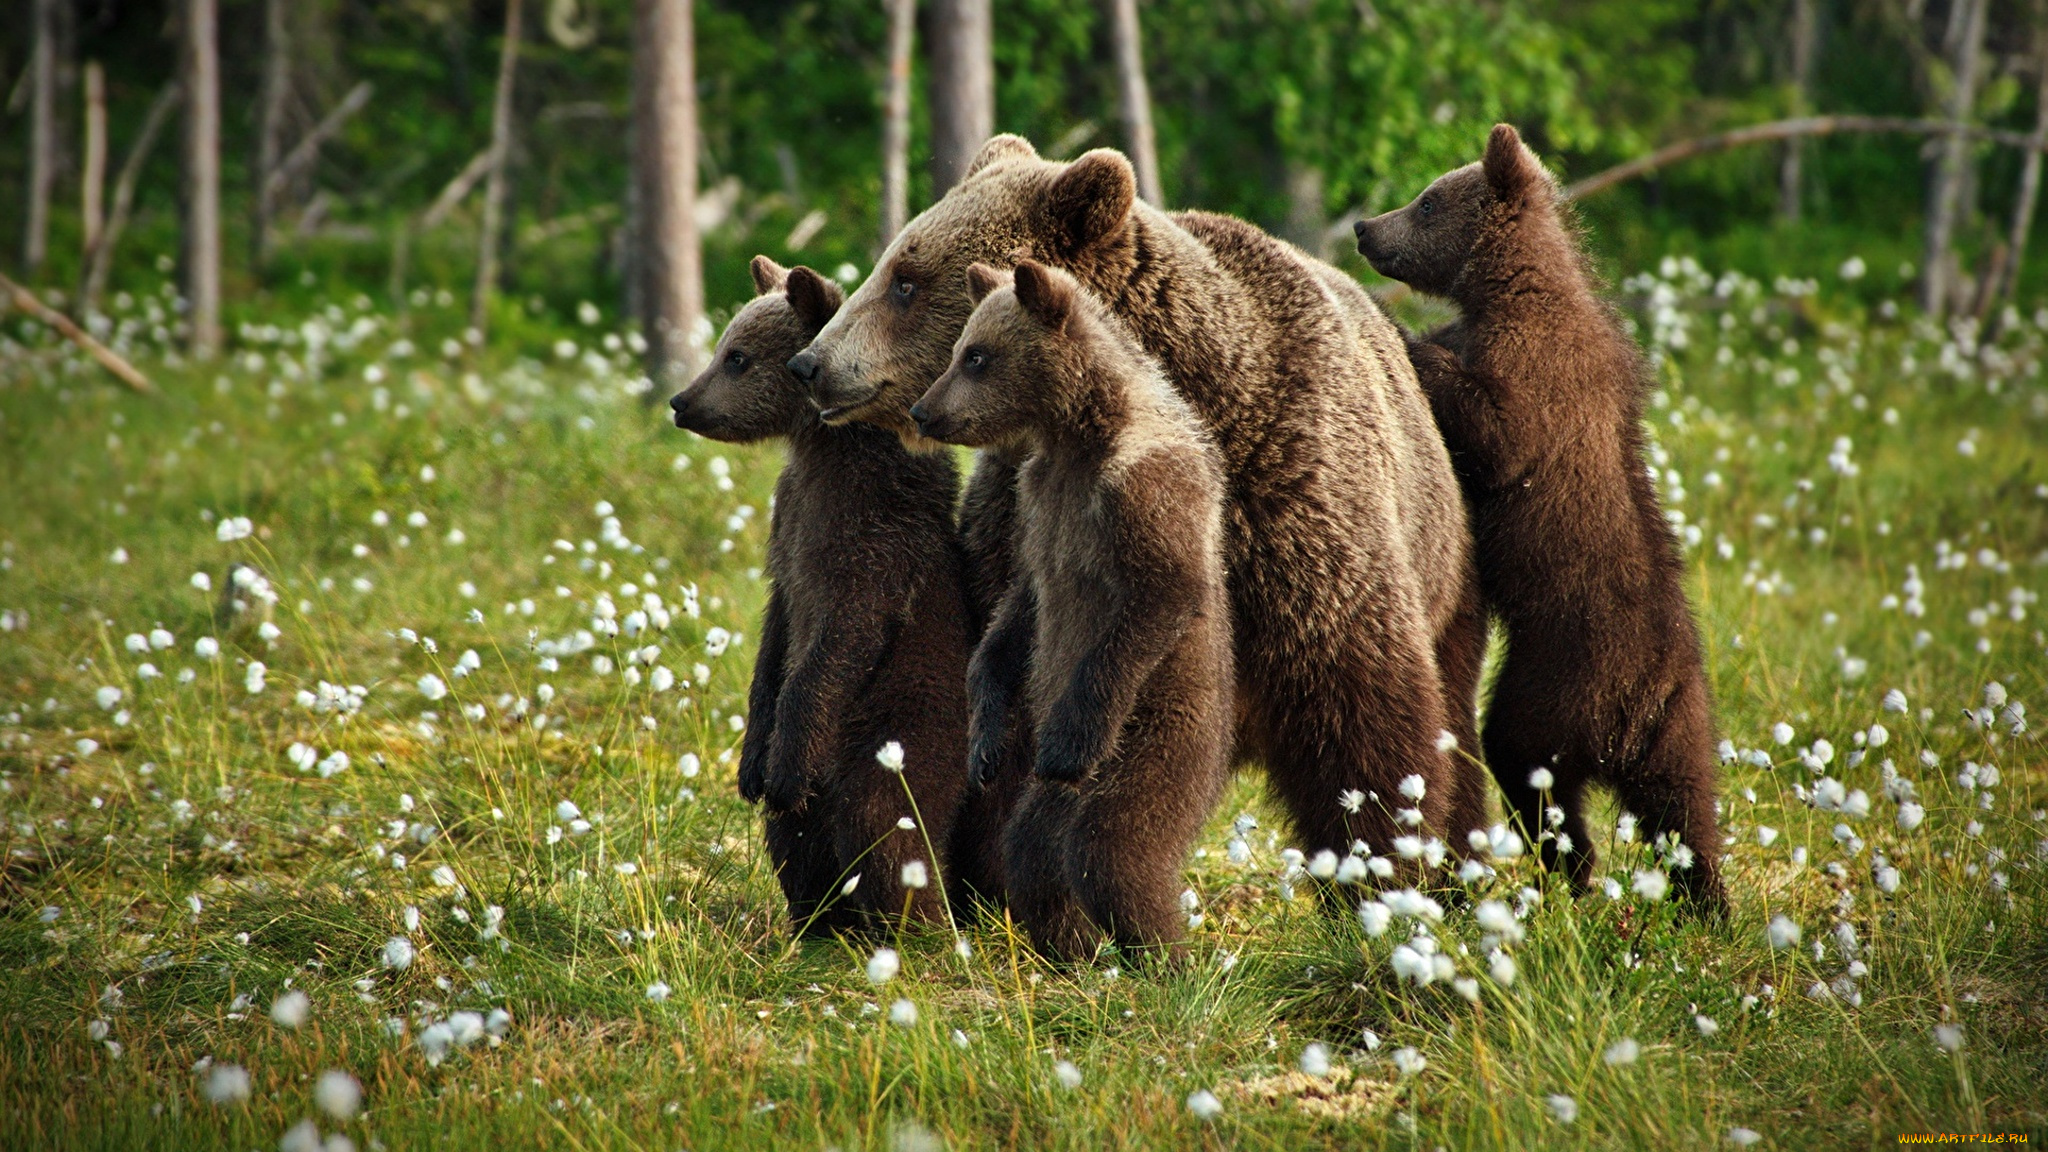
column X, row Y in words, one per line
column 398, row 953
column 1203, row 1105
column 227, row 1084
column 1563, row 1107
column 1622, row 1051
column 903, row 1014
column 883, row 966
column 290, row 1010
column 890, row 756
column 1783, row 932
column 338, row 1094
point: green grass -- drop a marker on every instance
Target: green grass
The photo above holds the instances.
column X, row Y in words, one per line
column 190, row 802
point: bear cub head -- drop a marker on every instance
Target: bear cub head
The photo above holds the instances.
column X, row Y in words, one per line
column 747, row 393
column 1461, row 218
column 1023, row 340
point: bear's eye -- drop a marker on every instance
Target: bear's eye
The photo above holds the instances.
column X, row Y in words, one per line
column 1427, row 206
column 736, row 361
column 904, row 290
column 974, row 360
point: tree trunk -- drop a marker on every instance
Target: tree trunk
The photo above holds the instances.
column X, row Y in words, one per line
column 963, row 87
column 2030, row 168
column 494, row 186
column 101, row 258
column 1134, row 98
column 896, row 120
column 277, row 63
column 1804, row 35
column 202, row 176
column 93, row 186
column 665, row 165
column 1967, row 42
column 42, row 147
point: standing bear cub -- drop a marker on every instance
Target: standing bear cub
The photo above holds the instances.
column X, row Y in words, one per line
column 1121, row 607
column 1538, row 393
column 866, row 635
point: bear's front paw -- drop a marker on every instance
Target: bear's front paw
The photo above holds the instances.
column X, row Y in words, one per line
column 787, row 786
column 753, row 773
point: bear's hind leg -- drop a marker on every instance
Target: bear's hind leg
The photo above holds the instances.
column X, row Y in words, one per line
column 1672, row 788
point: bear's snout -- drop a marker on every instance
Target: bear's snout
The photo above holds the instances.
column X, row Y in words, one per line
column 804, row 366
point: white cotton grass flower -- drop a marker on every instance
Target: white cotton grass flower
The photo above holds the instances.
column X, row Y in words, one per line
column 338, row 1094
column 1910, row 816
column 1707, row 1025
column 1563, row 1107
column 659, row 992
column 432, row 686
column 1783, row 932
column 1067, row 1073
column 883, row 966
column 1542, row 779
column 301, row 1137
column 903, row 1013
column 1315, row 1060
column 434, row 1041
column 1622, row 1052
column 206, row 648
column 1949, row 1037
column 890, row 756
column 107, row 698
column 915, row 875
column 1501, row 967
column 566, row 810
column 1409, row 1061
column 227, row 1084
column 398, row 953
column 1414, row 787
column 1743, row 1137
column 689, row 765
column 290, row 1010
column 202, row 582
column 1651, row 884
column 716, row 640
column 1374, row 917
column 1204, row 1106
column 1782, row 733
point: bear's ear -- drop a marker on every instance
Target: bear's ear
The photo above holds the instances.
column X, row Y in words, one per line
column 1003, row 147
column 768, row 275
column 1046, row 295
column 813, row 298
column 1511, row 169
column 982, row 279
column 1090, row 200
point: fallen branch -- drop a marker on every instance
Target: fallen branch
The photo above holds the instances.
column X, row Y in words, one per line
column 26, row 300
column 456, row 192
column 301, row 156
column 1787, row 130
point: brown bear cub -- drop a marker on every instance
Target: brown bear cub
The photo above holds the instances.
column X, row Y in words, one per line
column 1539, row 392
column 1122, row 608
column 866, row 636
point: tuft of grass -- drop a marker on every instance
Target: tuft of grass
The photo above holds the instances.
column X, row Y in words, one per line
column 1864, row 507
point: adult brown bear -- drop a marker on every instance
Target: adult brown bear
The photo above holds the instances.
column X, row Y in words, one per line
column 1358, row 626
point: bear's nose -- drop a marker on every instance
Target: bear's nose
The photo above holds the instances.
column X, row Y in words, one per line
column 918, row 414
column 1358, row 229
column 804, row 366
column 676, row 403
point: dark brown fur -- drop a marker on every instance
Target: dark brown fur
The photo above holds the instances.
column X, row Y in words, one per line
column 1539, row 394
column 1121, row 605
column 866, row 636
column 1345, row 537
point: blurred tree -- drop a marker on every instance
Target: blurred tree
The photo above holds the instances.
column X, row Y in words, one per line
column 963, row 93
column 896, row 119
column 277, row 63
column 1802, row 36
column 202, row 175
column 1963, row 48
column 665, row 167
column 93, row 180
column 42, row 146
column 488, row 235
column 1133, row 100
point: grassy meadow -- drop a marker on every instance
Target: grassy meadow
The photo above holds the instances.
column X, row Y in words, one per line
column 438, row 792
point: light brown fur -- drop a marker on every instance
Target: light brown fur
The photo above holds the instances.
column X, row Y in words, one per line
column 1121, row 606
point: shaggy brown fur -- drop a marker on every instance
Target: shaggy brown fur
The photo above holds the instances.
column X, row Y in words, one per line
column 1344, row 532
column 1539, row 394
column 1121, row 605
column 866, row 636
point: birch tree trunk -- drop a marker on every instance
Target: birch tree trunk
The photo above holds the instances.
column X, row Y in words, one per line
column 1936, row 276
column 93, row 185
column 277, row 57
column 670, row 256
column 896, row 120
column 202, row 176
column 42, row 140
column 1805, row 33
column 93, row 282
column 963, row 87
column 1135, row 98
column 494, row 185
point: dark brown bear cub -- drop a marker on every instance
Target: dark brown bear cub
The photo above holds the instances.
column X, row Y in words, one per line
column 1538, row 393
column 866, row 635
column 1121, row 607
